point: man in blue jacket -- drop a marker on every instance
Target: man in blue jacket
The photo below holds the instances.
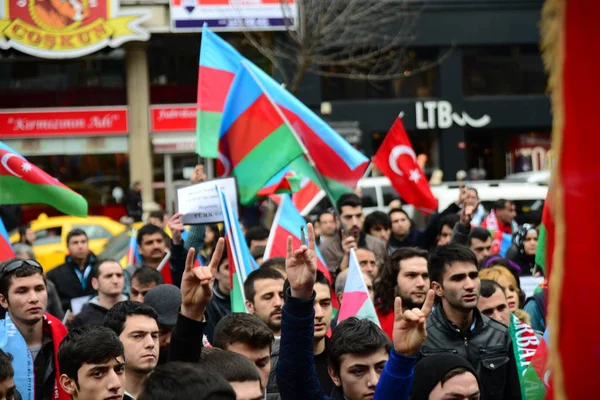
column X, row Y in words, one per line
column 360, row 365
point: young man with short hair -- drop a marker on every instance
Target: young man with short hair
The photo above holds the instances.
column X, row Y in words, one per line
column 137, row 327
column 367, row 262
column 378, row 224
column 92, row 364
column 179, row 381
column 237, row 370
column 358, row 352
column 220, row 303
column 263, row 290
column 108, row 281
column 143, row 280
column 8, row 390
column 337, row 250
column 277, row 263
column 33, row 336
column 74, row 278
column 457, row 326
column 405, row 275
column 249, row 336
column 492, row 302
column 256, row 236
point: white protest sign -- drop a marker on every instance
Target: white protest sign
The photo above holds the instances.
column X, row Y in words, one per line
column 200, row 203
column 529, row 283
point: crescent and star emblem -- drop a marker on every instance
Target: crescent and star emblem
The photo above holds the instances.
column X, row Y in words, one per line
column 396, row 152
column 4, row 162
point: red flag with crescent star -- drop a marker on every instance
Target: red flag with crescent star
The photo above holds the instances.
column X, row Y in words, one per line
column 397, row 160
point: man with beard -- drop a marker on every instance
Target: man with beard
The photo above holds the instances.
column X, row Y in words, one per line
column 456, row 325
column 336, row 251
column 263, row 289
column 136, row 324
column 404, row 275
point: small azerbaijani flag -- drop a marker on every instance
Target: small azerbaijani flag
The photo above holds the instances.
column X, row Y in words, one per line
column 356, row 301
column 6, row 251
column 288, row 222
column 133, row 255
column 536, row 378
column 241, row 262
column 501, row 242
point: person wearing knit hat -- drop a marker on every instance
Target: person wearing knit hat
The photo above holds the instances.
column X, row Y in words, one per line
column 445, row 376
column 165, row 300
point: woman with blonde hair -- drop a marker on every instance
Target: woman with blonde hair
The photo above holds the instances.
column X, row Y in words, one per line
column 507, row 280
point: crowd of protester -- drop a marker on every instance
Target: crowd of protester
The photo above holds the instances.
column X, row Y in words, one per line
column 443, row 301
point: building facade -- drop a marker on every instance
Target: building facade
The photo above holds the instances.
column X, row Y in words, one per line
column 126, row 113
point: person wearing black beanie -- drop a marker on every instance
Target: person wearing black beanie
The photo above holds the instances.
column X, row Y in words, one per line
column 444, row 376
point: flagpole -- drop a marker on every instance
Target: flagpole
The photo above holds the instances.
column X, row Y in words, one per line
column 311, row 162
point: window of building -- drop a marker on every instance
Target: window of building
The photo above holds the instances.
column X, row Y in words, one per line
column 95, row 80
column 421, row 84
column 174, row 72
column 503, row 70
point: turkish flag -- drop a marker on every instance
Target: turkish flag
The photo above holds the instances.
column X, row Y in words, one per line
column 398, row 161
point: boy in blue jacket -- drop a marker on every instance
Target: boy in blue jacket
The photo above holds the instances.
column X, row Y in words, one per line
column 361, row 364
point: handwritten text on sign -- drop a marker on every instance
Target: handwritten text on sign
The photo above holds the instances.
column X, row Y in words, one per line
column 200, row 204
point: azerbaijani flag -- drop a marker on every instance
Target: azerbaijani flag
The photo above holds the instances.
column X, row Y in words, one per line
column 285, row 181
column 525, row 344
column 6, row 251
column 501, row 242
column 535, row 380
column 545, row 248
column 288, row 222
column 241, row 262
column 133, row 255
column 340, row 164
column 219, row 62
column 255, row 138
column 356, row 301
column 24, row 183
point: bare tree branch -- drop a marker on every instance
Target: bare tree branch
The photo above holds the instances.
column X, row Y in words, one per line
column 351, row 39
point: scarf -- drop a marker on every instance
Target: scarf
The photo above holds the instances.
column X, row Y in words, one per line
column 12, row 342
column 491, row 223
column 524, row 344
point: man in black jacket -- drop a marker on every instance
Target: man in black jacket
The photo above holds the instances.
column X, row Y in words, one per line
column 456, row 326
column 74, row 278
column 108, row 281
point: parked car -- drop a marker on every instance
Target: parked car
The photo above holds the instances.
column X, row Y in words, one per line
column 50, row 245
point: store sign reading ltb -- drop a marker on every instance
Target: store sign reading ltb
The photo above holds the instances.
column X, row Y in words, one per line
column 439, row 114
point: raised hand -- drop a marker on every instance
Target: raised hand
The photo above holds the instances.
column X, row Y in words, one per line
column 409, row 332
column 197, row 283
column 198, row 174
column 176, row 226
column 301, row 266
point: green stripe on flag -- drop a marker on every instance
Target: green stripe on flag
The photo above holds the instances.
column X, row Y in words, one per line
column 14, row 190
column 266, row 160
column 238, row 302
column 540, row 253
column 303, row 168
column 208, row 126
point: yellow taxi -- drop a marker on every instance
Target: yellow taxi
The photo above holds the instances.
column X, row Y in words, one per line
column 50, row 245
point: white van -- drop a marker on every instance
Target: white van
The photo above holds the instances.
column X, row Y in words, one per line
column 377, row 194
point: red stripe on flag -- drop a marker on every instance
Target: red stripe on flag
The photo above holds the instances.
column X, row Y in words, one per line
column 16, row 166
column 249, row 129
column 213, row 87
column 332, row 165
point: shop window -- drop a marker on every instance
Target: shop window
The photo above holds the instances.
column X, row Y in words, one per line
column 421, row 84
column 95, row 80
column 174, row 73
column 503, row 70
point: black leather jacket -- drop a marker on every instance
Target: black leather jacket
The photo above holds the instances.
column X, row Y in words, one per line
column 487, row 346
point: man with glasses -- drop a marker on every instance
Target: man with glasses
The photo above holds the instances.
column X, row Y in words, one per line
column 28, row 333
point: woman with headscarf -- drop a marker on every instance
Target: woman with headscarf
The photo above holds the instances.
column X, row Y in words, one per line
column 523, row 250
